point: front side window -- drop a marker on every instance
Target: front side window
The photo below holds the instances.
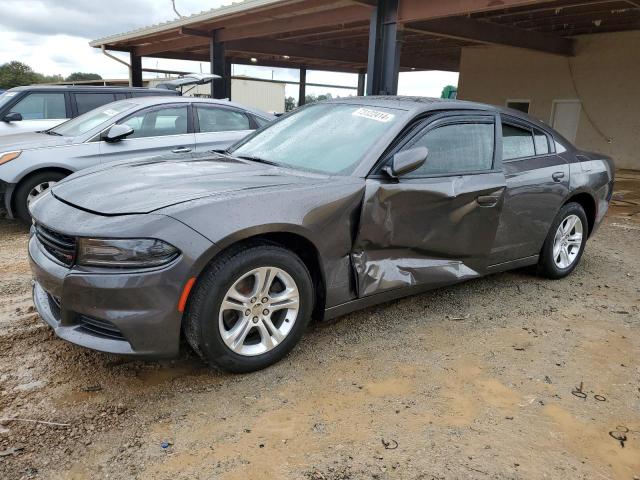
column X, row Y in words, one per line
column 88, row 101
column 517, row 142
column 41, row 106
column 159, row 122
column 84, row 123
column 330, row 138
column 456, row 148
column 214, row 119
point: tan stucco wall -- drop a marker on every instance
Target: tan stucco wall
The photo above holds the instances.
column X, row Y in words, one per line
column 606, row 70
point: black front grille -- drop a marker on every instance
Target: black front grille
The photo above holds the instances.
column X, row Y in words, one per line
column 99, row 328
column 61, row 247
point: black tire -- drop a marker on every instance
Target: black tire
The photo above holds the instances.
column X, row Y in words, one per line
column 20, row 204
column 547, row 266
column 201, row 319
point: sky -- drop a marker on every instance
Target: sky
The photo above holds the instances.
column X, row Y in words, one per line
column 52, row 36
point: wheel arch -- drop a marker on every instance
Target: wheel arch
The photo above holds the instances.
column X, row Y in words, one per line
column 587, row 201
column 10, row 202
column 292, row 238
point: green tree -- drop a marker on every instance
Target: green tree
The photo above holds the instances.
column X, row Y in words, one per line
column 289, row 104
column 449, row 92
column 15, row 74
column 79, row 76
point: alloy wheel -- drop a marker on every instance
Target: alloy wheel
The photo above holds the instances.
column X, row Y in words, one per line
column 38, row 190
column 258, row 311
column 567, row 241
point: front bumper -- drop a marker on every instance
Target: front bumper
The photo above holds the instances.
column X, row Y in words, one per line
column 122, row 313
column 130, row 312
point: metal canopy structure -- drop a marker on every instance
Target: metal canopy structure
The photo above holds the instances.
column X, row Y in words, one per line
column 380, row 37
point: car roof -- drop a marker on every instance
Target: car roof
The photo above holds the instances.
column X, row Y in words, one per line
column 150, row 100
column 95, row 88
column 416, row 105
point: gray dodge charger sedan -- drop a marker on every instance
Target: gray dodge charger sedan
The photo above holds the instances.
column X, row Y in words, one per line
column 332, row 208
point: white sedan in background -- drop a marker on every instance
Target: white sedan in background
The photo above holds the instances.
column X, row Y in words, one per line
column 31, row 162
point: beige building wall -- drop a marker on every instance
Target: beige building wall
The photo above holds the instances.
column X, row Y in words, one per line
column 604, row 76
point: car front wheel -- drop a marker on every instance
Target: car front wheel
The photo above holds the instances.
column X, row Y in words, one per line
column 249, row 308
column 31, row 188
column 565, row 242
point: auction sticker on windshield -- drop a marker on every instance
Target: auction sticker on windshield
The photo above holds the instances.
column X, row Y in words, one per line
column 371, row 114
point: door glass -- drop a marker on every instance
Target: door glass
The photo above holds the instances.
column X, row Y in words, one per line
column 212, row 119
column 40, row 106
column 456, row 148
column 542, row 144
column 88, row 101
column 516, row 142
column 158, row 123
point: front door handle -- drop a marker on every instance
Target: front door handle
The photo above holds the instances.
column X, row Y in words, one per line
column 488, row 200
column 181, row 150
column 557, row 176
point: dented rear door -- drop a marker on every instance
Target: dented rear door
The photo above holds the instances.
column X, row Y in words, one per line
column 437, row 225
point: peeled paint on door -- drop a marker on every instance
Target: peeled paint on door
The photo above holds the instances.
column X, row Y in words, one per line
column 427, row 233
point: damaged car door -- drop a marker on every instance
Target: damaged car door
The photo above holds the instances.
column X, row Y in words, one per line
column 436, row 224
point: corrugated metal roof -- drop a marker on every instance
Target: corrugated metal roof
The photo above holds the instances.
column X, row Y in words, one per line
column 214, row 13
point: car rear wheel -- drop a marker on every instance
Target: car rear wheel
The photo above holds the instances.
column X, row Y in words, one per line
column 249, row 308
column 565, row 242
column 30, row 189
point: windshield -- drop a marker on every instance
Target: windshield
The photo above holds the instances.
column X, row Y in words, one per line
column 329, row 138
column 88, row 121
column 6, row 98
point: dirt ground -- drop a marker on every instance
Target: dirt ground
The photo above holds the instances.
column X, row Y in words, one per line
column 473, row 381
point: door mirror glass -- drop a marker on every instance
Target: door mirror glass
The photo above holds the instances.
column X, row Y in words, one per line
column 12, row 117
column 117, row 133
column 407, row 161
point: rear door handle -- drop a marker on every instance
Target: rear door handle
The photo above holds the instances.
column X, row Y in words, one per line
column 557, row 176
column 488, row 200
column 181, row 150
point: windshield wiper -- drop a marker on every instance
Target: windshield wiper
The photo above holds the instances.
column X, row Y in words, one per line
column 51, row 132
column 257, row 159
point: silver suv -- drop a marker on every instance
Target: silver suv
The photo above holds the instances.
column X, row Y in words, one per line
column 34, row 108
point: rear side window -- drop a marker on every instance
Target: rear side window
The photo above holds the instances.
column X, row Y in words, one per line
column 517, row 142
column 456, row 148
column 541, row 141
column 86, row 102
column 212, row 119
column 41, row 106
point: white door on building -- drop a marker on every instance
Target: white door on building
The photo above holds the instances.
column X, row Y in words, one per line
column 565, row 116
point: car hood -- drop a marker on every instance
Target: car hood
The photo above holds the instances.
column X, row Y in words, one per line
column 151, row 184
column 31, row 140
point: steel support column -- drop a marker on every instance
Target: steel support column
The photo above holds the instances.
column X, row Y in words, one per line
column 220, row 87
column 135, row 70
column 361, row 84
column 384, row 49
column 302, row 93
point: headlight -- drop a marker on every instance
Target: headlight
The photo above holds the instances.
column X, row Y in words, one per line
column 126, row 253
column 8, row 156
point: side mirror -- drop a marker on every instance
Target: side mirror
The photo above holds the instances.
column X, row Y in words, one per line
column 407, row 161
column 12, row 117
column 117, row 133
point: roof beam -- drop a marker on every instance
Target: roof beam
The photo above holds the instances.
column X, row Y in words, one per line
column 417, row 10
column 339, row 16
column 464, row 28
column 300, row 50
column 171, row 45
